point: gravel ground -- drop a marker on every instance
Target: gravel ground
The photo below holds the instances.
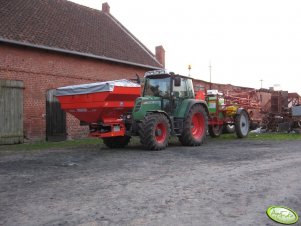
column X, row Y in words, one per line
column 220, row 183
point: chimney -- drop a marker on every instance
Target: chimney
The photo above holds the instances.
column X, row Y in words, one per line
column 105, row 8
column 160, row 55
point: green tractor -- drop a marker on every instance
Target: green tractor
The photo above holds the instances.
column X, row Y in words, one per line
column 168, row 108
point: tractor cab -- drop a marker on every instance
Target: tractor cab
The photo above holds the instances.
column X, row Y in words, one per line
column 168, row 88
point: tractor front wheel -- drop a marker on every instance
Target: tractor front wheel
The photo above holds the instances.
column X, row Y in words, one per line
column 194, row 126
column 154, row 131
column 116, row 142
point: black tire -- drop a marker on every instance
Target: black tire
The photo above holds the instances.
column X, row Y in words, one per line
column 242, row 124
column 116, row 142
column 228, row 128
column 154, row 132
column 191, row 135
column 215, row 131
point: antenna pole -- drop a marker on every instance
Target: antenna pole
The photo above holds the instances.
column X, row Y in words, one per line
column 189, row 68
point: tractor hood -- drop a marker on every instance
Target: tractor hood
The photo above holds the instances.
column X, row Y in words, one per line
column 144, row 105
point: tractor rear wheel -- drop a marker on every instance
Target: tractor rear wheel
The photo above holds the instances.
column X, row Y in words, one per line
column 194, row 126
column 154, row 132
column 116, row 142
column 242, row 124
column 215, row 130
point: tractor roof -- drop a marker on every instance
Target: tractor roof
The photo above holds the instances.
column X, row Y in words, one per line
column 159, row 73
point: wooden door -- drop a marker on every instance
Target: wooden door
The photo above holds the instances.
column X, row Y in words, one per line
column 11, row 112
column 55, row 118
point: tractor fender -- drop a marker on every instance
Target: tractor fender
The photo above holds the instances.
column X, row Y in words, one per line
column 186, row 106
column 240, row 110
column 161, row 112
column 193, row 102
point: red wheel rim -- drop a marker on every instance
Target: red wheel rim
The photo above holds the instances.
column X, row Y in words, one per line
column 197, row 125
column 160, row 133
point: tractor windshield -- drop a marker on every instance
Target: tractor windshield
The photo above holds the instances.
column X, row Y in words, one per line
column 159, row 87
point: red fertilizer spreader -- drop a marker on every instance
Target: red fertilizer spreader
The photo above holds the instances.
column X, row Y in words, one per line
column 100, row 103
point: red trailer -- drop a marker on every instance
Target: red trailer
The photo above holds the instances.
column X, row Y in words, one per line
column 102, row 102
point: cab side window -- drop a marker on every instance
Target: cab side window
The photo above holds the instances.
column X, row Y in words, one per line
column 189, row 84
column 181, row 91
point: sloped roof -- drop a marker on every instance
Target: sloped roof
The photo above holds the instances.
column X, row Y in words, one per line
column 66, row 26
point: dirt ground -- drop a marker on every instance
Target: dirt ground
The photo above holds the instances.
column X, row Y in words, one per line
column 220, row 183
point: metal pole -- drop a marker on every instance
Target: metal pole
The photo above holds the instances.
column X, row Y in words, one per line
column 210, row 74
column 260, row 83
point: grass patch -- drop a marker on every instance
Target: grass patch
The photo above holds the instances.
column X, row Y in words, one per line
column 275, row 136
column 92, row 142
column 51, row 145
column 263, row 136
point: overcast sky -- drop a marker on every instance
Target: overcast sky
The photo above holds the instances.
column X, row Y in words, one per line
column 245, row 40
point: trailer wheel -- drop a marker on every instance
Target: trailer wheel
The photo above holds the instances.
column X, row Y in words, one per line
column 215, row 130
column 116, row 142
column 194, row 127
column 242, row 124
column 154, row 132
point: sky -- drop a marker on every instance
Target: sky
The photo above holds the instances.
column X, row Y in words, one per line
column 245, row 41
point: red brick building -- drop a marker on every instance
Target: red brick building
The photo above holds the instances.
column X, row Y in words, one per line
column 46, row 44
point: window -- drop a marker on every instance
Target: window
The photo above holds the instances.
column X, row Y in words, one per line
column 184, row 91
column 159, row 87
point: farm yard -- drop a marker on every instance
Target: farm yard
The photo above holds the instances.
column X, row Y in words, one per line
column 223, row 182
column 96, row 130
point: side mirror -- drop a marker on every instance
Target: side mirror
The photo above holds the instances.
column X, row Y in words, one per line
column 177, row 81
column 138, row 79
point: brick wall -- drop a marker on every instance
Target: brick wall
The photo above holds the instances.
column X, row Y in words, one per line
column 44, row 70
